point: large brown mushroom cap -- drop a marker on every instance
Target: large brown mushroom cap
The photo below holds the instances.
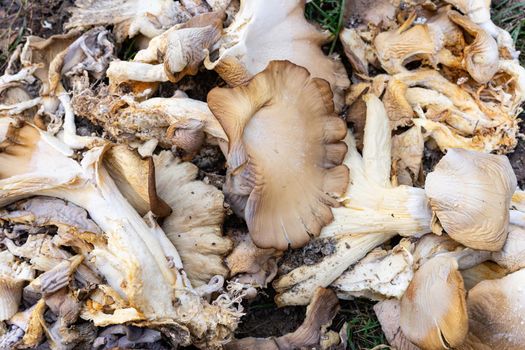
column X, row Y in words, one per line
column 284, row 153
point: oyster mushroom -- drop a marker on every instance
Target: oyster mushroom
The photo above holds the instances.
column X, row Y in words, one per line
column 470, row 195
column 139, row 262
column 275, row 30
column 512, row 255
column 433, row 312
column 481, row 56
column 289, row 208
column 135, row 178
column 496, row 314
column 130, row 18
column 319, row 314
column 171, row 55
column 13, row 275
column 373, row 212
column 195, row 225
column 388, row 314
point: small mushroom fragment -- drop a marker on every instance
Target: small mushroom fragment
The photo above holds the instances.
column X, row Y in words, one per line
column 496, row 312
column 388, row 314
column 126, row 337
column 30, row 322
column 274, row 30
column 13, row 275
column 283, row 176
column 195, row 225
column 373, row 212
column 156, row 118
column 135, row 178
column 319, row 314
column 407, row 156
column 130, row 18
column 433, row 309
column 470, row 195
column 380, row 274
column 179, row 51
column 481, row 56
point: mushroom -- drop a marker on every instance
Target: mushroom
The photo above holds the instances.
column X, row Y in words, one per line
column 512, row 255
column 319, row 314
column 286, row 209
column 380, row 274
column 481, row 56
column 195, row 225
column 138, row 260
column 274, row 30
column 135, row 178
column 373, row 212
column 470, row 195
column 13, row 275
column 130, row 18
column 30, row 322
column 154, row 119
column 496, row 315
column 484, row 271
column 433, row 312
column 388, row 314
column 171, row 55
column 407, row 156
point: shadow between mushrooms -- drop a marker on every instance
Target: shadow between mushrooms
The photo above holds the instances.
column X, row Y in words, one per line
column 284, row 154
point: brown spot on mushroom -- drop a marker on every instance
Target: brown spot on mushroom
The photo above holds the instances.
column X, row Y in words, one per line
column 284, row 152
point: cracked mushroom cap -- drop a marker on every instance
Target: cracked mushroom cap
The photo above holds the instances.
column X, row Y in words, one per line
column 285, row 153
column 433, row 308
column 470, row 194
column 497, row 312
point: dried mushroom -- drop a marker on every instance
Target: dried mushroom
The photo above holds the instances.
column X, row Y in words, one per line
column 289, row 209
column 274, row 30
column 470, row 194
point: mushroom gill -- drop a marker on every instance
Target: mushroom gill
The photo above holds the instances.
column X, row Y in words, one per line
column 284, row 154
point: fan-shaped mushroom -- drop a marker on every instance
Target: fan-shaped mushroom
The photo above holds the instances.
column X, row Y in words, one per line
column 496, row 312
column 13, row 275
column 470, row 195
column 433, row 308
column 282, row 174
column 275, row 30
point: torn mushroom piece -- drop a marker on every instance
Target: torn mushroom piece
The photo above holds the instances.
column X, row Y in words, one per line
column 13, row 275
column 130, row 18
column 135, row 178
column 177, row 52
column 388, row 314
column 282, row 178
column 496, row 312
column 274, row 30
column 373, row 212
column 171, row 121
column 195, row 225
column 380, row 274
column 470, row 194
column 319, row 314
column 139, row 262
column 433, row 312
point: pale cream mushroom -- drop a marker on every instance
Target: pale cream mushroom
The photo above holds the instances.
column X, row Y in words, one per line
column 282, row 179
column 195, row 225
column 275, row 30
column 13, row 275
column 470, row 195
column 496, row 312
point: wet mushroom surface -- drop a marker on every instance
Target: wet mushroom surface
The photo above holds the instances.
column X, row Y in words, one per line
column 244, row 174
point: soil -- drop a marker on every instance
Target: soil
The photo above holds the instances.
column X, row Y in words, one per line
column 44, row 18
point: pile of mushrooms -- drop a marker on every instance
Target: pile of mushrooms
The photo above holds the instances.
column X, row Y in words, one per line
column 113, row 237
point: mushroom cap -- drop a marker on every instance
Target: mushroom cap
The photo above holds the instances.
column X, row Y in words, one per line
column 264, row 31
column 470, row 194
column 497, row 312
column 284, row 153
column 433, row 308
column 388, row 314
